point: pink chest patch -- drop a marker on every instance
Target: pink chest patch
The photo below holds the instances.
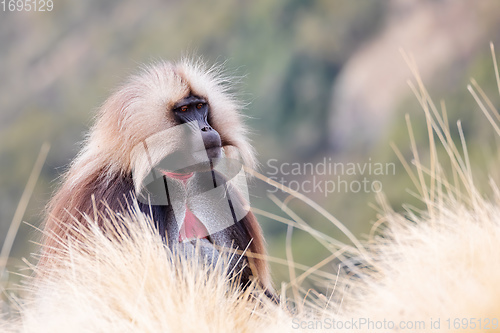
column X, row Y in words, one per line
column 192, row 226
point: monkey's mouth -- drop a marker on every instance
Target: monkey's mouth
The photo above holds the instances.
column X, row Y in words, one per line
column 214, row 152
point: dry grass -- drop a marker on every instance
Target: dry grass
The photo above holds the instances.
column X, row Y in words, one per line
column 131, row 282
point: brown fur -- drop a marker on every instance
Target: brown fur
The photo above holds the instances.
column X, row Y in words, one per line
column 139, row 109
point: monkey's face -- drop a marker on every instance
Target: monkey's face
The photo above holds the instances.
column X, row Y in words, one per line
column 194, row 110
column 175, row 118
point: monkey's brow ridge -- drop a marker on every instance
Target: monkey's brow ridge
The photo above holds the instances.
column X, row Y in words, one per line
column 189, row 100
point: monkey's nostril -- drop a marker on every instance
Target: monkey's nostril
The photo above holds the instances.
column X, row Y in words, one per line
column 206, row 129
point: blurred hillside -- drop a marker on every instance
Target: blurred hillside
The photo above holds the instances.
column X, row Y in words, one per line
column 323, row 79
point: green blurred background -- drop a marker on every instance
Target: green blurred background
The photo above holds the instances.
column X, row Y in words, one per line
column 322, row 79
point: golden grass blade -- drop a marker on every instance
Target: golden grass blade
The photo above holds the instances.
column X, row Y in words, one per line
column 423, row 186
column 21, row 207
column 300, row 221
column 495, row 65
column 361, row 249
column 483, row 108
column 485, row 98
column 291, row 269
column 304, row 227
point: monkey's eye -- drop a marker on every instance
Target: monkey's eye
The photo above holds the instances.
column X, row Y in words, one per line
column 199, row 105
column 184, row 108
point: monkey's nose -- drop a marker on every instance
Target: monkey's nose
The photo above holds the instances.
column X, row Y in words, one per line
column 206, row 128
